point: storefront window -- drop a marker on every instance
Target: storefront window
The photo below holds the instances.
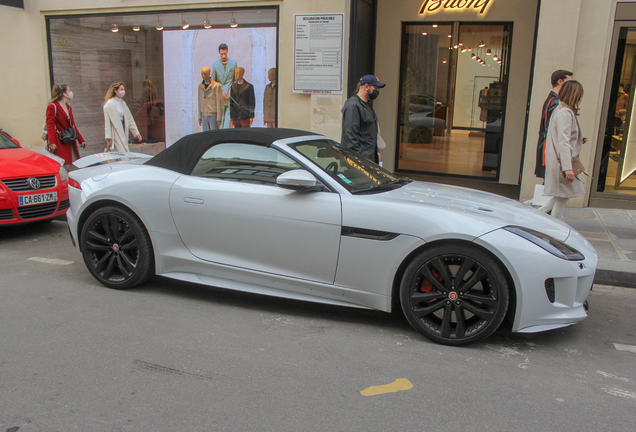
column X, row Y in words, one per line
column 453, row 96
column 618, row 157
column 159, row 58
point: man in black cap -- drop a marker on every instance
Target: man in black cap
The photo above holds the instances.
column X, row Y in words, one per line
column 359, row 122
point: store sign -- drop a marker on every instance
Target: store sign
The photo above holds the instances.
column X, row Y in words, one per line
column 318, row 46
column 130, row 38
column 455, row 5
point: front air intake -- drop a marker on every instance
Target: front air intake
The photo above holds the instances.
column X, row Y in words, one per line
column 549, row 289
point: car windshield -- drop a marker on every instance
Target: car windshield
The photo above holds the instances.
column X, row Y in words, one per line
column 357, row 174
column 6, row 143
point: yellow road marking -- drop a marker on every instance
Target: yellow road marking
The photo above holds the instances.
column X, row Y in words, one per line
column 395, row 386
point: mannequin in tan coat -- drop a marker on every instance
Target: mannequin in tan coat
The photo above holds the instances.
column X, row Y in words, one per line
column 118, row 120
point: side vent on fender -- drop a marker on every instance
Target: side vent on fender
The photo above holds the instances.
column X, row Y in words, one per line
column 549, row 289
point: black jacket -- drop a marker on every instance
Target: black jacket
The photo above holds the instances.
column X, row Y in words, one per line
column 242, row 101
column 360, row 128
column 546, row 112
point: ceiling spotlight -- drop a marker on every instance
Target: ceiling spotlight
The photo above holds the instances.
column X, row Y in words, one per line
column 136, row 27
column 444, row 61
column 460, row 44
column 464, row 49
column 473, row 56
column 114, row 28
column 434, row 25
column 450, row 35
column 456, row 46
column 481, row 43
column 184, row 24
column 499, row 61
column 159, row 26
column 424, row 33
column 233, row 22
column 495, row 58
column 207, row 24
column 488, row 52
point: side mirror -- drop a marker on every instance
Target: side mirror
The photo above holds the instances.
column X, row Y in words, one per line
column 298, row 180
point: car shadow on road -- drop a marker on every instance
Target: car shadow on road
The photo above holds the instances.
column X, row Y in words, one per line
column 394, row 321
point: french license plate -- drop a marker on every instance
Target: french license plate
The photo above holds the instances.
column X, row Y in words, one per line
column 26, row 200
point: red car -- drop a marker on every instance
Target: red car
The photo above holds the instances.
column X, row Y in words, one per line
column 33, row 187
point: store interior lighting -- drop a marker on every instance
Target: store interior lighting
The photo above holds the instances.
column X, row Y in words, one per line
column 159, row 26
column 136, row 27
column 233, row 22
column 114, row 28
column 488, row 52
column 206, row 23
column 184, row 24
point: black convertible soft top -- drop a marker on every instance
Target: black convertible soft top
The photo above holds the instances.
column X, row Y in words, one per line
column 183, row 155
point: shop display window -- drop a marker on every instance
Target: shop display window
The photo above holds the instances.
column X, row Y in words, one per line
column 453, row 98
column 618, row 156
column 159, row 57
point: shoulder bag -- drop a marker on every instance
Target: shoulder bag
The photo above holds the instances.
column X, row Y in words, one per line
column 577, row 165
column 67, row 135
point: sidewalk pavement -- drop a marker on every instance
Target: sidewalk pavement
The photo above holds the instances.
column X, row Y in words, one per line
column 613, row 233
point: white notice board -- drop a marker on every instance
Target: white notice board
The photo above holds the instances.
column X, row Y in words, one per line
column 318, row 40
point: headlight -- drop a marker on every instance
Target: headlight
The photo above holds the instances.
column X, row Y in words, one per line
column 552, row 245
column 63, row 173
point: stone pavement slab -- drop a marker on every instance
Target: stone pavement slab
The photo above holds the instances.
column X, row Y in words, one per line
column 613, row 233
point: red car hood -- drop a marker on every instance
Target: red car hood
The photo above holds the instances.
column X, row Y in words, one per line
column 21, row 162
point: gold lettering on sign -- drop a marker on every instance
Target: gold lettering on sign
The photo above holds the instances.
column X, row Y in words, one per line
column 434, row 5
column 61, row 42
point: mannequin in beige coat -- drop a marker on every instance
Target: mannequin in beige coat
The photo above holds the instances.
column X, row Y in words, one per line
column 118, row 120
column 563, row 143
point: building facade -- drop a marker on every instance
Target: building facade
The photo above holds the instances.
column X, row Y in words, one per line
column 466, row 79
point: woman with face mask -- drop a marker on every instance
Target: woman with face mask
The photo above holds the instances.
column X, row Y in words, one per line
column 60, row 125
column 119, row 122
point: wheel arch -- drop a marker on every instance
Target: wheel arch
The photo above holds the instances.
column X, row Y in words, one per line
column 100, row 204
column 512, row 286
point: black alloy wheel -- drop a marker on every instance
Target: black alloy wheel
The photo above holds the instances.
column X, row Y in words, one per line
column 116, row 248
column 454, row 294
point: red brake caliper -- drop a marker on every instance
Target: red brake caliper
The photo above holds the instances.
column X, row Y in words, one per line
column 427, row 286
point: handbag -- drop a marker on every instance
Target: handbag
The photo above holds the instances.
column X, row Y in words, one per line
column 381, row 143
column 68, row 135
column 577, row 166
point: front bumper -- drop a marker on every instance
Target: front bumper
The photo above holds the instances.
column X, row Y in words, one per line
column 550, row 291
column 12, row 214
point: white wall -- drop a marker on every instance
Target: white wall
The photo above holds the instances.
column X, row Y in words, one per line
column 578, row 41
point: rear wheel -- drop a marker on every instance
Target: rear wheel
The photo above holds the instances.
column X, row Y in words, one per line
column 454, row 294
column 116, row 248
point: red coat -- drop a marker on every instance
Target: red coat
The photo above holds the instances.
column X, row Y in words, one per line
column 57, row 120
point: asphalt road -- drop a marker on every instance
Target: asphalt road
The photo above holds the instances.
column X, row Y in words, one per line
column 172, row 356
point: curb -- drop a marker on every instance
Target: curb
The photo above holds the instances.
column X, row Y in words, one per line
column 615, row 278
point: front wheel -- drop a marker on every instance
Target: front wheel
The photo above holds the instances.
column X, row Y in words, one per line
column 116, row 248
column 454, row 294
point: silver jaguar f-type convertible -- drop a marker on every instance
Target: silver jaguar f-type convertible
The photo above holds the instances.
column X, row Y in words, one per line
column 293, row 214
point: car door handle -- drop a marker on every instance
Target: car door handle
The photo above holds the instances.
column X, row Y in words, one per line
column 193, row 200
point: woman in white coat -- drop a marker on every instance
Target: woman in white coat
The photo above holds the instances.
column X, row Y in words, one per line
column 563, row 143
column 119, row 122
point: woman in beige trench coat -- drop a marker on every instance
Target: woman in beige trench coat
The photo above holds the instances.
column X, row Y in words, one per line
column 563, row 143
column 119, row 122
